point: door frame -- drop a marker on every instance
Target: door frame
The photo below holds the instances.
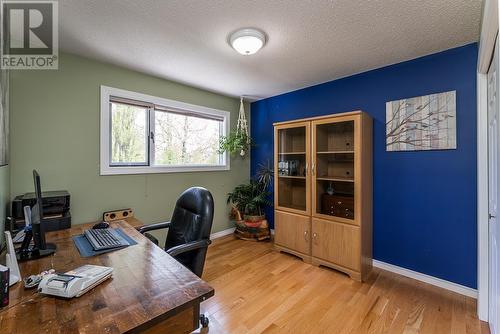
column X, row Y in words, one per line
column 489, row 31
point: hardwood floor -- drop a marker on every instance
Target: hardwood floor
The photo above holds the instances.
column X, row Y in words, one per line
column 258, row 290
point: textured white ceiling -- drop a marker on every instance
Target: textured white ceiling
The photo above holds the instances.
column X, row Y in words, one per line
column 310, row 41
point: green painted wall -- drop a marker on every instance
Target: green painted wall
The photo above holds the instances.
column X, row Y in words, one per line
column 55, row 129
column 4, row 197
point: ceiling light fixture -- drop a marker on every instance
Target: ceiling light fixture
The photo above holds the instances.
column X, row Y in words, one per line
column 247, row 41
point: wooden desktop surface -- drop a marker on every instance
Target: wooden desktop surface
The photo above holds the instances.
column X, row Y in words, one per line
column 149, row 291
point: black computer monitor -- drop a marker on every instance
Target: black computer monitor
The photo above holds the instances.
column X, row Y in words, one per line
column 37, row 214
column 41, row 248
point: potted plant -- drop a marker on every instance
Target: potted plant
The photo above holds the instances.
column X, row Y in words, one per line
column 249, row 201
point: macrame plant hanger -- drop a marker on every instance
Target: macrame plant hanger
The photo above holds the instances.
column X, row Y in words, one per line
column 242, row 127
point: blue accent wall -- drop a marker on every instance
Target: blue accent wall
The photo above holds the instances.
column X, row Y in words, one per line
column 424, row 202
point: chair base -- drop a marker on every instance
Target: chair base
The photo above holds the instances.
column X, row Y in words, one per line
column 204, row 321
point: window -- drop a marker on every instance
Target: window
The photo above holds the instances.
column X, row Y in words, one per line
column 129, row 134
column 147, row 134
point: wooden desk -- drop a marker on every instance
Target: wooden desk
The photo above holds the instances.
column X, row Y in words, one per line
column 150, row 292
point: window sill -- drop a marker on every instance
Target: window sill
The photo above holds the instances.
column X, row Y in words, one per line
column 126, row 170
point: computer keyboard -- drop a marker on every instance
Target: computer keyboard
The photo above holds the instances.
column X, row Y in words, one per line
column 105, row 238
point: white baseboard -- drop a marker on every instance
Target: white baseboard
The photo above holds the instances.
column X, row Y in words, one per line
column 222, row 233
column 463, row 290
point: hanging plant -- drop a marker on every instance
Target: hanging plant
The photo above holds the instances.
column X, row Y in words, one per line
column 237, row 141
column 234, row 142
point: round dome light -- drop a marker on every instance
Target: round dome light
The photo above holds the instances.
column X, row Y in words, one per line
column 247, row 41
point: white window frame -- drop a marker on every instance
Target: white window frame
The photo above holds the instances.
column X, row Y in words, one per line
column 105, row 150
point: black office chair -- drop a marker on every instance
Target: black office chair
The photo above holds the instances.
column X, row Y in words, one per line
column 189, row 229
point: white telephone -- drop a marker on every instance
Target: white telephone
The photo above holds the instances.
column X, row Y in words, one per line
column 74, row 283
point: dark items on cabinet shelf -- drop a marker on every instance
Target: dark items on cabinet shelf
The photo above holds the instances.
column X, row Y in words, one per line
column 291, row 168
column 338, row 205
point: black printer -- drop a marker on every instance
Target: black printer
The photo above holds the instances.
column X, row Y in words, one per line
column 56, row 206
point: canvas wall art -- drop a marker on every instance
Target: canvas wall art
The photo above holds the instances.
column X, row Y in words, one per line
column 4, row 117
column 422, row 123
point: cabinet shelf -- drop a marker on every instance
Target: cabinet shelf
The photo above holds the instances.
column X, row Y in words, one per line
column 335, row 152
column 291, row 177
column 291, row 153
column 335, row 179
column 294, row 207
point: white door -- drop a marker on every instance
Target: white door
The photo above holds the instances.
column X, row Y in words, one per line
column 493, row 192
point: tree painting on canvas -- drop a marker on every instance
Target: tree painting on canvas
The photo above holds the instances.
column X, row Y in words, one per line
column 422, row 123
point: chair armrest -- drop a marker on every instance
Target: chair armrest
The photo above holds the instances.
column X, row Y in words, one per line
column 152, row 227
column 174, row 251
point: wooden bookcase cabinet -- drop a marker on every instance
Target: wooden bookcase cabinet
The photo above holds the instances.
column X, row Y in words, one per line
column 323, row 191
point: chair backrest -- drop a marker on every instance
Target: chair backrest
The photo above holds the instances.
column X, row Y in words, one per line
column 191, row 221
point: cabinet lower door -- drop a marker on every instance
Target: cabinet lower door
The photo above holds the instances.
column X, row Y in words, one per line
column 293, row 231
column 337, row 243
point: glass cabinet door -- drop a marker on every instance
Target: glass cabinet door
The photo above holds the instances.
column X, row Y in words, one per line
column 334, row 168
column 291, row 165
